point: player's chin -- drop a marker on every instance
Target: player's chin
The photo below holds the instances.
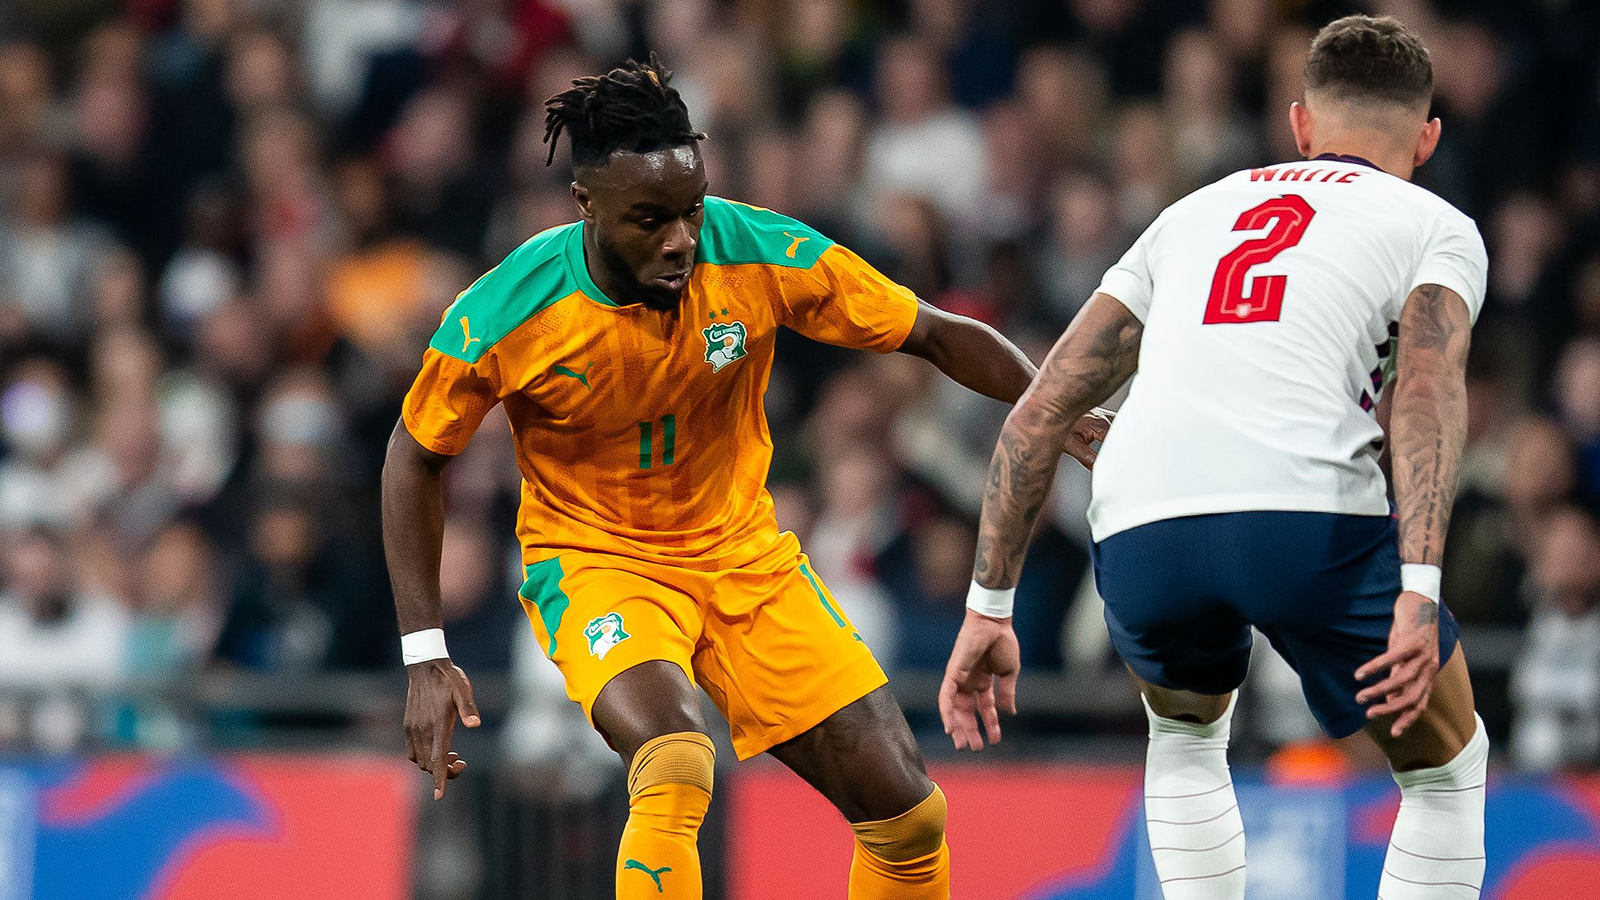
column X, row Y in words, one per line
column 659, row 296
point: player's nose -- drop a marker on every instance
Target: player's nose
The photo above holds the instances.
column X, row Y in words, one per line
column 681, row 242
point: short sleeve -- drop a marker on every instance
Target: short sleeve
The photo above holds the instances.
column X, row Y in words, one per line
column 1455, row 258
column 448, row 401
column 842, row 300
column 1130, row 280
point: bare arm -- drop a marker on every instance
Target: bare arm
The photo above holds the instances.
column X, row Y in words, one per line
column 413, row 537
column 1098, row 353
column 1427, row 431
column 974, row 355
column 413, row 528
column 1428, row 424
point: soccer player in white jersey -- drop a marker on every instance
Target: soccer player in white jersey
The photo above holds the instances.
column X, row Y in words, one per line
column 1240, row 485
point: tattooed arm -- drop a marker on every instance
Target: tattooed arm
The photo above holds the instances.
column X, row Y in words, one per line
column 1097, row 354
column 1428, row 425
column 1427, row 430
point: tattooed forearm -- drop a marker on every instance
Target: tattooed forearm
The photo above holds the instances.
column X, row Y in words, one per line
column 1097, row 354
column 1428, row 426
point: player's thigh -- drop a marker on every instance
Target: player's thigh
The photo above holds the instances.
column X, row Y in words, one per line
column 1443, row 729
column 778, row 654
column 645, row 702
column 863, row 758
column 1169, row 626
column 597, row 618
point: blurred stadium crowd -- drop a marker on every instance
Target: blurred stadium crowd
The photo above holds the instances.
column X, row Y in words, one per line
column 227, row 228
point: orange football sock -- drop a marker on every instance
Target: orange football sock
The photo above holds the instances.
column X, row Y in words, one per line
column 669, row 790
column 903, row 858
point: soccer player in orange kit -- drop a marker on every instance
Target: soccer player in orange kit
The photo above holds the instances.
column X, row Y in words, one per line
column 631, row 350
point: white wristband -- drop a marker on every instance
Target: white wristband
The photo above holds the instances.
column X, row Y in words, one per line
column 996, row 604
column 421, row 646
column 1420, row 578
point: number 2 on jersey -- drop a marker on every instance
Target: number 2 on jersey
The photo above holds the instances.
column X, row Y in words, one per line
column 1235, row 297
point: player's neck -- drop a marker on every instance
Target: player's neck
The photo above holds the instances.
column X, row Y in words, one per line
column 1377, row 152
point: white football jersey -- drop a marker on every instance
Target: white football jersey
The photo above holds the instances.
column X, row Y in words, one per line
column 1269, row 301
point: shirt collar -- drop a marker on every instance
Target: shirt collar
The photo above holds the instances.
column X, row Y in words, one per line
column 1347, row 158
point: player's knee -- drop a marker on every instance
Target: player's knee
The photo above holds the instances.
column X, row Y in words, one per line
column 666, row 765
column 1442, row 766
column 1208, row 720
column 911, row 835
column 1197, row 708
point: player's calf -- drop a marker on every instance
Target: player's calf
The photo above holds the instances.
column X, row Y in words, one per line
column 1196, row 834
column 903, row 857
column 651, row 714
column 1441, row 764
column 865, row 761
column 669, row 790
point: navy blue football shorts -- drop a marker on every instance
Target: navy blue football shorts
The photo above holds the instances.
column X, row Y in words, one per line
column 1181, row 595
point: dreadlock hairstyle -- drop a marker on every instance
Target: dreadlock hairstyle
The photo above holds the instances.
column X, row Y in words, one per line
column 630, row 108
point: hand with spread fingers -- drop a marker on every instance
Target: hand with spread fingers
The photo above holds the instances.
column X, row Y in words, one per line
column 980, row 681
column 438, row 693
column 1411, row 662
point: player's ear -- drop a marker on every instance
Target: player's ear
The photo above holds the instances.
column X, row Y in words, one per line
column 1428, row 141
column 1300, row 124
column 585, row 201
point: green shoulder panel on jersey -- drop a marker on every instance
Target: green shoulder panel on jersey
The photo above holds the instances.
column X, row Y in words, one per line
column 740, row 234
column 534, row 276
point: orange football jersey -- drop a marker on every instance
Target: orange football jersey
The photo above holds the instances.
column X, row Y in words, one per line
column 642, row 432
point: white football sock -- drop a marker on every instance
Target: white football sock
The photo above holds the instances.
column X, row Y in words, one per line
column 1196, row 835
column 1436, row 851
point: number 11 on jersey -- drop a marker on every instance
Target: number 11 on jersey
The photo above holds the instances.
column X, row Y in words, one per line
column 669, row 440
column 1229, row 302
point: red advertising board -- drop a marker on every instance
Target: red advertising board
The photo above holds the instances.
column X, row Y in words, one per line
column 1029, row 824
column 255, row 827
column 1074, row 832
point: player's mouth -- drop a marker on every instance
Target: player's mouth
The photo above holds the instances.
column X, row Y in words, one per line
column 673, row 281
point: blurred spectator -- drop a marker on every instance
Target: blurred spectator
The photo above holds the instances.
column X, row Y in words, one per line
column 1084, row 241
column 1556, row 680
column 47, row 256
column 38, row 422
column 1577, row 390
column 180, row 604
column 302, row 600
column 54, row 638
column 173, row 632
column 1065, row 95
column 26, row 104
column 923, row 144
column 859, row 513
column 378, row 288
column 442, row 195
column 1210, row 137
column 1500, row 529
column 927, row 569
column 203, row 274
